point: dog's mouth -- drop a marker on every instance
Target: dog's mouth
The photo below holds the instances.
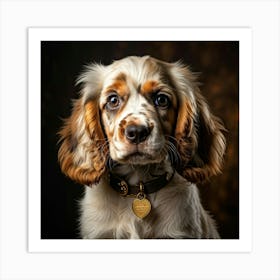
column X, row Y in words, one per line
column 137, row 154
column 140, row 158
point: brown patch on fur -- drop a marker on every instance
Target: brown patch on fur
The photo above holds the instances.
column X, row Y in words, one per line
column 185, row 119
column 121, row 77
column 90, row 115
column 149, row 87
column 168, row 121
column 72, row 164
column 121, row 130
column 201, row 146
column 171, row 116
column 119, row 86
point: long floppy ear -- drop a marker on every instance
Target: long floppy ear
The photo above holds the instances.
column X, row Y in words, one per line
column 83, row 151
column 200, row 140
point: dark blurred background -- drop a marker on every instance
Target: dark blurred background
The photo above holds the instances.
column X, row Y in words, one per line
column 61, row 63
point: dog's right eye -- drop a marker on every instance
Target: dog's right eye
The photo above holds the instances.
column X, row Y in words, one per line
column 113, row 102
column 162, row 100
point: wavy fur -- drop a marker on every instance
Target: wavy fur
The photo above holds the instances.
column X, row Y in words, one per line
column 175, row 130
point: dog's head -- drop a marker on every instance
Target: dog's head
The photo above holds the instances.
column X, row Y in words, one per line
column 140, row 110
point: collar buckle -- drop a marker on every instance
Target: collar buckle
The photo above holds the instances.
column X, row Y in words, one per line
column 123, row 188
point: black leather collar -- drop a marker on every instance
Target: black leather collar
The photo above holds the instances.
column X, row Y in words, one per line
column 124, row 189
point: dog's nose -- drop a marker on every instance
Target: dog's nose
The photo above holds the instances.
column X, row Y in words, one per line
column 136, row 133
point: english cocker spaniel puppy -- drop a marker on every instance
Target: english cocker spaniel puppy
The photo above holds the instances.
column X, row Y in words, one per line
column 140, row 136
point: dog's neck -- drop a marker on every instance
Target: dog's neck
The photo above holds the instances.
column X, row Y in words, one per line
column 133, row 174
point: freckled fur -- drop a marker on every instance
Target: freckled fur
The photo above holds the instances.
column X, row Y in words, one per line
column 92, row 135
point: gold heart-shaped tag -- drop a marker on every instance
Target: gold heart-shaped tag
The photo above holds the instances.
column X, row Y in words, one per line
column 141, row 207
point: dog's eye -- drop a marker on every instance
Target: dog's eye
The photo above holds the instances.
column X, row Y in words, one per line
column 162, row 101
column 113, row 102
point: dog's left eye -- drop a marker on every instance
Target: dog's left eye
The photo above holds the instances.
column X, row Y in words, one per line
column 162, row 100
column 113, row 102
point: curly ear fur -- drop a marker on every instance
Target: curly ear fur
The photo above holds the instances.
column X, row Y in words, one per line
column 83, row 151
column 199, row 134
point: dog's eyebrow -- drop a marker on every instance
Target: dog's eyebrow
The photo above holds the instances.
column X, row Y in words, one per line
column 121, row 77
column 148, row 87
column 119, row 85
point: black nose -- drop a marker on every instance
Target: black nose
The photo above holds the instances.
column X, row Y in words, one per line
column 136, row 133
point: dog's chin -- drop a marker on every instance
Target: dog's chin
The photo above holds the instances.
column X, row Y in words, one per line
column 140, row 158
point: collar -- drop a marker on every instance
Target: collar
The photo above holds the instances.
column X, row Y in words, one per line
column 124, row 189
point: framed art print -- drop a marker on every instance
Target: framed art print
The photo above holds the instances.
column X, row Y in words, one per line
column 139, row 139
column 221, row 61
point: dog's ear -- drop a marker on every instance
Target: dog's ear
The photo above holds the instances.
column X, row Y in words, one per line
column 83, row 151
column 199, row 134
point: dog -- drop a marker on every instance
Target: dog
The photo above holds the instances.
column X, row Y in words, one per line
column 140, row 137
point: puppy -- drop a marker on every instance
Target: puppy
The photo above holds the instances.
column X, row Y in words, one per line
column 139, row 138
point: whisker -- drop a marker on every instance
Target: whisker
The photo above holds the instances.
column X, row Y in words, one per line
column 174, row 139
column 173, row 154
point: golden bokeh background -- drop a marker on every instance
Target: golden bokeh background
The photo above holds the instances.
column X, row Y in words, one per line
column 61, row 62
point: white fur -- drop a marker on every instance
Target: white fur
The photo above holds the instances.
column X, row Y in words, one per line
column 176, row 208
column 176, row 213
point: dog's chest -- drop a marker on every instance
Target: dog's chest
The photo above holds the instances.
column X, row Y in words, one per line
column 105, row 214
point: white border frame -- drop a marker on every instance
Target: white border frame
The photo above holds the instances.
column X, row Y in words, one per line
column 243, row 35
column 262, row 16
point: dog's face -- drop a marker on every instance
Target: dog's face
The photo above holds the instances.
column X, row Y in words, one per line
column 136, row 111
